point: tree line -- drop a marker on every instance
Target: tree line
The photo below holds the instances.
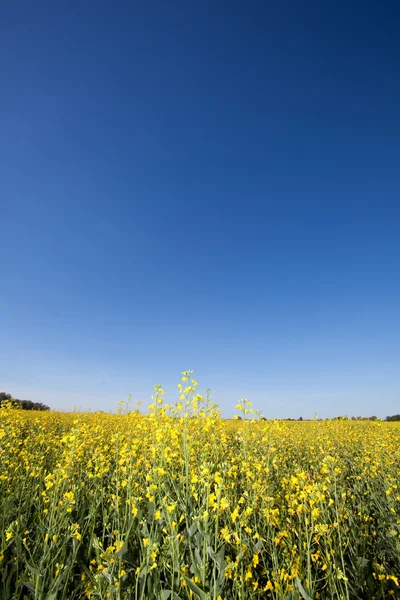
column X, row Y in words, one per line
column 23, row 404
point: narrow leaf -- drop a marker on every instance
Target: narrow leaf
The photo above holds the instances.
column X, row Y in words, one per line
column 123, row 550
column 36, row 572
column 302, row 591
column 195, row 589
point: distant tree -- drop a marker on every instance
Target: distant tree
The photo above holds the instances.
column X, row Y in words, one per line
column 24, row 404
column 300, row 418
column 29, row 405
column 393, row 418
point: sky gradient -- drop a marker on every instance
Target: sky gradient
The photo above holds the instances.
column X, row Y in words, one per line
column 208, row 186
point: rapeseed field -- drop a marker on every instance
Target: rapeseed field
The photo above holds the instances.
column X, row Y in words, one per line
column 181, row 504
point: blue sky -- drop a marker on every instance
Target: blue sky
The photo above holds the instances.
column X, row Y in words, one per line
column 208, row 186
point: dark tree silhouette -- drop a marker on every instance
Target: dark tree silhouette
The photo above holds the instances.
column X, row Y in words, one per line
column 24, row 404
column 393, row 418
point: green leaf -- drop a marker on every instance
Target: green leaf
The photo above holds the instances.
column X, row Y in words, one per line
column 194, row 569
column 362, row 562
column 144, row 571
column 302, row 591
column 195, row 589
column 150, row 513
column 123, row 550
column 36, row 572
column 28, row 585
column 203, row 535
column 211, row 553
column 218, row 557
column 221, row 557
column 166, row 594
column 197, row 557
column 258, row 546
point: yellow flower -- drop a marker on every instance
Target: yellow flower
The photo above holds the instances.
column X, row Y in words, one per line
column 269, row 586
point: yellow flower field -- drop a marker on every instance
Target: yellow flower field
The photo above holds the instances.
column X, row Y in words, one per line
column 181, row 504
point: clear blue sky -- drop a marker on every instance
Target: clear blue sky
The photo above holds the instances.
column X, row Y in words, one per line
column 208, row 186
